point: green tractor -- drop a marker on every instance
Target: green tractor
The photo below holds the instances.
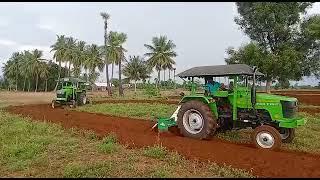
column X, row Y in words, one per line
column 217, row 108
column 70, row 91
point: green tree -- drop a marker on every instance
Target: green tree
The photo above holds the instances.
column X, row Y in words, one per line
column 80, row 57
column 93, row 61
column 106, row 17
column 59, row 49
column 71, row 52
column 115, row 52
column 44, row 73
column 135, row 70
column 161, row 54
column 274, row 26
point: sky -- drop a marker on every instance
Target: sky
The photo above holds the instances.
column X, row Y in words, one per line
column 201, row 31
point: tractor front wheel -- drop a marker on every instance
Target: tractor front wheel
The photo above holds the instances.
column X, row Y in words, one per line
column 266, row 137
column 196, row 120
column 73, row 104
column 287, row 134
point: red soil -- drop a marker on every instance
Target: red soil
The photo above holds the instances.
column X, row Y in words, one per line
column 137, row 133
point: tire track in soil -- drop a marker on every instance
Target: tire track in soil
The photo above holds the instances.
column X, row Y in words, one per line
column 137, row 133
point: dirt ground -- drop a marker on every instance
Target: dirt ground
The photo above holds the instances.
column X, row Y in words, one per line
column 137, row 133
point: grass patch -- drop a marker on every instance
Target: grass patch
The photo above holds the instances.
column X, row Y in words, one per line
column 135, row 110
column 157, row 152
column 38, row 149
column 228, row 171
column 80, row 170
column 109, row 144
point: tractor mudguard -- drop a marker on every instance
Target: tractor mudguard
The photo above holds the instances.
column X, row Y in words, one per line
column 206, row 100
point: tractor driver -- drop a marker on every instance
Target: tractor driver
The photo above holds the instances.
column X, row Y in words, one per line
column 213, row 86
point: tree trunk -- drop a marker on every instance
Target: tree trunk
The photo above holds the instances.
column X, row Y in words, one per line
column 120, row 82
column 24, row 83
column 164, row 75
column 37, row 78
column 106, row 60
column 135, row 86
column 17, row 82
column 69, row 69
column 112, row 71
column 108, row 81
column 59, row 75
column 169, row 74
column 268, row 84
column 158, row 77
column 174, row 78
column 29, row 85
column 46, row 85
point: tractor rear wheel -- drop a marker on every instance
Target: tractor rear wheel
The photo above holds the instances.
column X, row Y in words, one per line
column 287, row 134
column 196, row 120
column 266, row 137
column 82, row 99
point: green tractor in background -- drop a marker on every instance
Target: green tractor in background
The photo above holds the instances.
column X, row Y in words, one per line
column 70, row 91
column 201, row 115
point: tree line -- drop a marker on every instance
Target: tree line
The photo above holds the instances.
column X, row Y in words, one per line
column 87, row 61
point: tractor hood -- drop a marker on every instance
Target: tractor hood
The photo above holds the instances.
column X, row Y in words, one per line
column 264, row 97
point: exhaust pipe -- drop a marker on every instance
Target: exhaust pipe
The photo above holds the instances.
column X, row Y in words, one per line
column 253, row 90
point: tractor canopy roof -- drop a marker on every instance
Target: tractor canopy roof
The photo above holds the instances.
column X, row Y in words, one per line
column 72, row 79
column 219, row 70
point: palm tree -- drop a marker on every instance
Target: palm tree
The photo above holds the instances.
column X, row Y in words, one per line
column 161, row 53
column 60, row 48
column 105, row 17
column 71, row 52
column 13, row 68
column 93, row 61
column 24, row 68
column 44, row 73
column 115, row 52
column 133, row 68
column 79, row 58
column 34, row 62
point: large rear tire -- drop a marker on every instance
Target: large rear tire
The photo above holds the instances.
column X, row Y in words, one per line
column 196, row 120
column 266, row 137
column 287, row 134
column 82, row 99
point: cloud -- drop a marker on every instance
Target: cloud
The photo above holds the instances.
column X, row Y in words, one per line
column 46, row 50
column 5, row 42
column 45, row 26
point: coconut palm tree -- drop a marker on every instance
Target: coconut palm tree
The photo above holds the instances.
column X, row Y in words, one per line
column 34, row 62
column 115, row 52
column 60, row 48
column 133, row 68
column 161, row 53
column 13, row 66
column 44, row 73
column 79, row 59
column 106, row 17
column 24, row 69
column 93, row 61
column 71, row 52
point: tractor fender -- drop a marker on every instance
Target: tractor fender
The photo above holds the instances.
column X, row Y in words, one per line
column 206, row 100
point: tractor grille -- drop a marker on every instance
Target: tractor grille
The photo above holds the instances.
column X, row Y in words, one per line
column 289, row 108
